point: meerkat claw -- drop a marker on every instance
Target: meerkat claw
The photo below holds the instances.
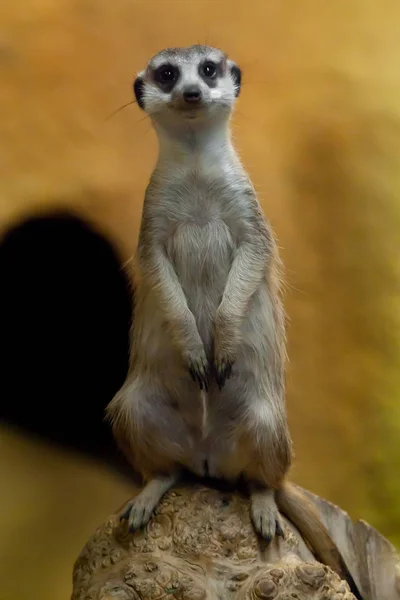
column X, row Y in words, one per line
column 125, row 515
column 223, row 372
column 199, row 374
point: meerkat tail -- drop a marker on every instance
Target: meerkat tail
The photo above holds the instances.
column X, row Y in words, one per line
column 300, row 511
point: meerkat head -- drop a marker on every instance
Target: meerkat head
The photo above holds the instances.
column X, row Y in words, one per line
column 188, row 85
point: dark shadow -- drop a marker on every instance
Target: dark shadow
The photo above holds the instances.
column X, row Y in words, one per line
column 65, row 312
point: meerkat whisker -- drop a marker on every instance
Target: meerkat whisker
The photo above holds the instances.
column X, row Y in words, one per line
column 119, row 109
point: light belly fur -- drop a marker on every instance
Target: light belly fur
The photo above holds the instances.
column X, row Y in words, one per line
column 202, row 256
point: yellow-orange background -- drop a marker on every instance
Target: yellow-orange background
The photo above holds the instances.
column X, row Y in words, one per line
column 318, row 129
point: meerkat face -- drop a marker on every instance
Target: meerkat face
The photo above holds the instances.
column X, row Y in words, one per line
column 192, row 83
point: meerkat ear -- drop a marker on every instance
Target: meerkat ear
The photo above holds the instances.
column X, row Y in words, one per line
column 236, row 75
column 138, row 89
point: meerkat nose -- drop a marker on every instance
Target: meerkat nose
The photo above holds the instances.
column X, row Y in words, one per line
column 192, row 94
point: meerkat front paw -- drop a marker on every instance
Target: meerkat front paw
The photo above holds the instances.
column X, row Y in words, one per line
column 199, row 367
column 223, row 369
column 225, row 345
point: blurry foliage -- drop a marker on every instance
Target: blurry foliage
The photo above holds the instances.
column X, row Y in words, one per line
column 317, row 125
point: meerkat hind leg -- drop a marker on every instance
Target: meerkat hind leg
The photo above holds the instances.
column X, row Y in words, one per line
column 140, row 509
column 264, row 512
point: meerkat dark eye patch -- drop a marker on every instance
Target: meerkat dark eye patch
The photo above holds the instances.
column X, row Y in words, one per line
column 166, row 77
column 236, row 75
column 138, row 89
column 209, row 71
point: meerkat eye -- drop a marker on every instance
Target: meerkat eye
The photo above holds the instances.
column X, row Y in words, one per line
column 166, row 74
column 209, row 69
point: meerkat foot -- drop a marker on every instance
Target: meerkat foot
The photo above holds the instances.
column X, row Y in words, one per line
column 139, row 510
column 264, row 514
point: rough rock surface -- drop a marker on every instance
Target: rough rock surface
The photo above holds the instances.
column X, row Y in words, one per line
column 200, row 545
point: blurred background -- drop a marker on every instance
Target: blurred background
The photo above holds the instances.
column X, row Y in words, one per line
column 318, row 128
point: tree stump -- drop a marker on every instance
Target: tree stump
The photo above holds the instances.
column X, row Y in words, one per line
column 200, row 545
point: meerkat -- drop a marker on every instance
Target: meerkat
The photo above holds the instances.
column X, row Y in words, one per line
column 205, row 389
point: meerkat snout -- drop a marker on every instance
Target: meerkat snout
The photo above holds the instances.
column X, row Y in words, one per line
column 192, row 94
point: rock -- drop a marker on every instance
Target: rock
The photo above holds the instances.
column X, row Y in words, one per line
column 200, row 544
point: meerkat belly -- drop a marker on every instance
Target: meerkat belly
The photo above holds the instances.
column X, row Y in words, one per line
column 202, row 255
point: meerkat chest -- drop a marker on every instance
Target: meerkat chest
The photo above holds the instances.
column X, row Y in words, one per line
column 202, row 232
column 201, row 251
